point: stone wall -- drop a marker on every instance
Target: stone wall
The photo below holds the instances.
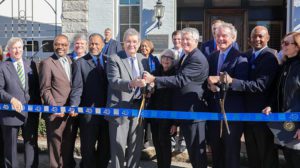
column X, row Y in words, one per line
column 74, row 17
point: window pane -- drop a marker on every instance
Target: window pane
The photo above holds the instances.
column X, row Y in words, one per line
column 124, row 14
column 32, row 46
column 127, row 2
column 135, row 14
column 136, row 27
column 47, row 46
column 265, row 2
column 227, row 3
column 190, row 3
column 123, row 28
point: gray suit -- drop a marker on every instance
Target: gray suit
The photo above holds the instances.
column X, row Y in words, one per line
column 124, row 130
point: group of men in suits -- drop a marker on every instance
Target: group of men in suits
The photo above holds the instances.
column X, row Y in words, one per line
column 115, row 80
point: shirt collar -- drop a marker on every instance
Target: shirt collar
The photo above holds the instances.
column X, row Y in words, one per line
column 258, row 51
column 15, row 61
column 226, row 51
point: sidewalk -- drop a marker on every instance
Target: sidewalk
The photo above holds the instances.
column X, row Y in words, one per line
column 179, row 160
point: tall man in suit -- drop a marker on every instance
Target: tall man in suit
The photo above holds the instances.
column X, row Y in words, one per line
column 124, row 71
column 89, row 89
column 263, row 66
column 55, row 83
column 226, row 147
column 18, row 86
column 111, row 46
column 188, row 91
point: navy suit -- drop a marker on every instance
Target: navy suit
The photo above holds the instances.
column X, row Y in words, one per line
column 89, row 89
column 209, row 47
column 114, row 47
column 187, row 83
column 259, row 139
column 10, row 121
column 226, row 150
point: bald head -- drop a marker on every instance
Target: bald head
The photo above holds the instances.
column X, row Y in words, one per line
column 259, row 37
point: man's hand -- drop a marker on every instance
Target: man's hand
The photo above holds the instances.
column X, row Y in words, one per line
column 225, row 78
column 173, row 130
column 137, row 83
column 213, row 80
column 267, row 110
column 213, row 87
column 72, row 113
column 62, row 114
column 297, row 135
column 16, row 104
column 148, row 77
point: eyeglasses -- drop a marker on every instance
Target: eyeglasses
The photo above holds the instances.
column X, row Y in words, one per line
column 60, row 44
column 286, row 43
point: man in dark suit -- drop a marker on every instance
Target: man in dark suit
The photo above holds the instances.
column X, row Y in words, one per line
column 225, row 147
column 89, row 89
column 18, row 86
column 210, row 46
column 55, row 83
column 187, row 83
column 124, row 71
column 111, row 46
column 263, row 66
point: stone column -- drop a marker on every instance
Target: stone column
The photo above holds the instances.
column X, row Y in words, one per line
column 74, row 17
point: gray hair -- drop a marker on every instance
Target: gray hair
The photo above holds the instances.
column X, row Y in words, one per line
column 231, row 28
column 96, row 34
column 168, row 53
column 80, row 36
column 193, row 31
column 13, row 41
column 131, row 32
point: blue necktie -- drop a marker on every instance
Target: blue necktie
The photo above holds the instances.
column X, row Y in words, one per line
column 220, row 62
column 252, row 58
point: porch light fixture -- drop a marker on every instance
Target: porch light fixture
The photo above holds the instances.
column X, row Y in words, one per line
column 159, row 12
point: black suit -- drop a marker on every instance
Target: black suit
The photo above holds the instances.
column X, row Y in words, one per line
column 10, row 121
column 190, row 76
column 226, row 150
column 89, row 89
column 259, row 139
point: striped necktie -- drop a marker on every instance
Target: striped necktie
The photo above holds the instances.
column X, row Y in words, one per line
column 21, row 74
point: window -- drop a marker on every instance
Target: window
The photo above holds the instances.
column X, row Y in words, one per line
column 227, row 3
column 265, row 2
column 31, row 46
column 129, row 16
column 47, row 46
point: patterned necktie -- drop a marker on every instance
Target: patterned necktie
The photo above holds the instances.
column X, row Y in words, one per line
column 21, row 74
column 99, row 64
column 66, row 66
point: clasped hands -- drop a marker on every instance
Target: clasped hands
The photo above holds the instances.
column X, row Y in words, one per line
column 213, row 81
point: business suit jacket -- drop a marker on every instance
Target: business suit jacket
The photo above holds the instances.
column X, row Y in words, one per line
column 208, row 47
column 262, row 73
column 10, row 86
column 55, row 89
column 114, row 47
column 54, row 83
column 187, row 83
column 119, row 75
column 89, row 89
column 237, row 67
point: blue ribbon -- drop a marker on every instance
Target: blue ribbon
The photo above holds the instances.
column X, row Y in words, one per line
column 181, row 115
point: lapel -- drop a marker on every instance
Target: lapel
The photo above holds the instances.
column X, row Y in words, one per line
column 124, row 60
column 214, row 63
column 13, row 71
column 90, row 61
column 59, row 66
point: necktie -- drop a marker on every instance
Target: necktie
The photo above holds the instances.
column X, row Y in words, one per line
column 134, row 71
column 66, row 67
column 21, row 74
column 220, row 62
column 252, row 58
column 99, row 64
